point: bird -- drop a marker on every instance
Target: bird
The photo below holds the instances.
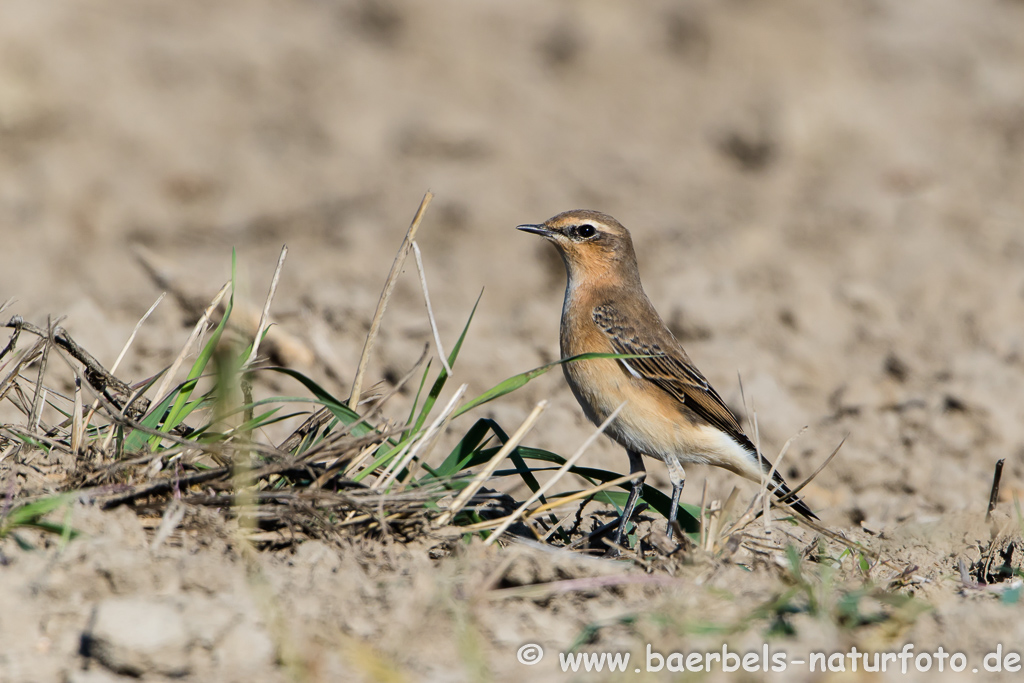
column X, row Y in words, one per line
column 669, row 410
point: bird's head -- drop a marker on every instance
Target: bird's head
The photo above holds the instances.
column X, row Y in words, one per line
column 592, row 244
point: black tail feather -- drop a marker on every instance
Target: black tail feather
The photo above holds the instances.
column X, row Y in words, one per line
column 784, row 494
column 779, row 486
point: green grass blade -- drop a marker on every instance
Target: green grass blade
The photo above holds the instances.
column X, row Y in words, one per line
column 386, row 453
column 160, row 416
column 29, row 441
column 315, row 436
column 257, row 422
column 270, row 401
column 31, row 514
column 416, row 399
column 524, row 472
column 175, row 416
column 464, row 450
column 63, row 530
column 689, row 515
column 136, row 439
column 442, row 376
column 344, row 414
column 31, row 511
column 520, row 380
column 467, row 449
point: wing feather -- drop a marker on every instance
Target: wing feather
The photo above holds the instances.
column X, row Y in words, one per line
column 669, row 368
column 670, row 371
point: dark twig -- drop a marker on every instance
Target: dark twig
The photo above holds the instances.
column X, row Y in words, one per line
column 312, row 425
column 14, row 336
column 165, row 485
column 99, row 377
column 993, row 496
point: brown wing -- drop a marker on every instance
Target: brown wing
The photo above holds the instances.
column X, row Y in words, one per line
column 670, row 370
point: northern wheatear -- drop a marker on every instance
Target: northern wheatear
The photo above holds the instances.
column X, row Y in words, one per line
column 671, row 412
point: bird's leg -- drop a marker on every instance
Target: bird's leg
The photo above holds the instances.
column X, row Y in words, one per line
column 636, row 465
column 678, row 478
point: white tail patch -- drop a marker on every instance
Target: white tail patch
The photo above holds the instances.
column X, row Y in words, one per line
column 722, row 450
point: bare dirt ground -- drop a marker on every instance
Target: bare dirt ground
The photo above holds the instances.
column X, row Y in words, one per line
column 826, row 198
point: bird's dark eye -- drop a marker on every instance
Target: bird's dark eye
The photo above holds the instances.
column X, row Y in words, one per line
column 586, row 231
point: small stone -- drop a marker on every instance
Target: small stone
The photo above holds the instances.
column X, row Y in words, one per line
column 135, row 636
column 246, row 649
column 208, row 620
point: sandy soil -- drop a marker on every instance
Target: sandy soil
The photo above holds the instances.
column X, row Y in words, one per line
column 826, row 198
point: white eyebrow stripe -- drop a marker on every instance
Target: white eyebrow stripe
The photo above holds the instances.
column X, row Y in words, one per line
column 630, row 368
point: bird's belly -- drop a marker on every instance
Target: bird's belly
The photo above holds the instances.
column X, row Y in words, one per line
column 644, row 424
column 649, row 422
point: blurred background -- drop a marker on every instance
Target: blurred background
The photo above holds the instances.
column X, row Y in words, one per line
column 826, row 198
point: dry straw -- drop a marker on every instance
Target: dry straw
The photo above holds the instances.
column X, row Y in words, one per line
column 385, row 296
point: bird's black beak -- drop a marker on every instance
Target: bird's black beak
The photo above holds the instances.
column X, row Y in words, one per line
column 537, row 230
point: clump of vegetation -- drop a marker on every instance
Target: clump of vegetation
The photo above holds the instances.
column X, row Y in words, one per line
column 169, row 445
column 349, row 468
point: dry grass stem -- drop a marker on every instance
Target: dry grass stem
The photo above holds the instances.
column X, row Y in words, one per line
column 993, row 496
column 12, row 342
column 774, row 469
column 77, row 421
column 587, row 493
column 401, row 461
column 703, row 502
column 124, row 351
column 123, row 413
column 289, row 349
column 385, row 296
column 168, row 379
column 815, row 473
column 9, row 381
column 430, row 311
column 765, row 493
column 334, row 466
column 555, row 504
column 557, row 525
column 425, row 446
column 40, row 393
column 265, row 314
column 771, row 478
column 169, row 521
column 135, row 332
column 360, row 460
